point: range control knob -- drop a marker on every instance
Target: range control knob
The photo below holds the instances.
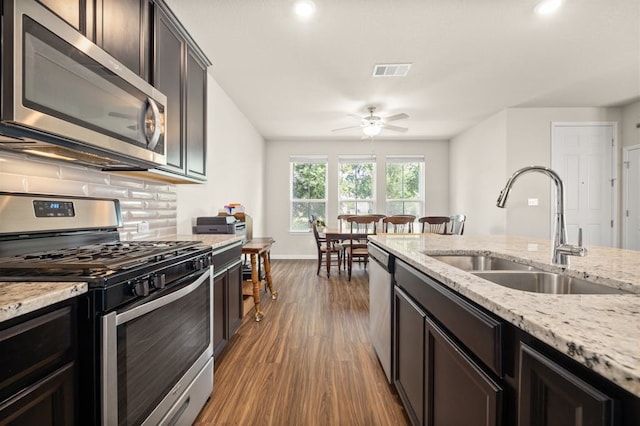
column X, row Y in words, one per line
column 158, row 280
column 198, row 264
column 140, row 287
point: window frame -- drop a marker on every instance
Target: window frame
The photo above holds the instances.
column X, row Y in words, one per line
column 307, row 159
column 353, row 159
column 405, row 159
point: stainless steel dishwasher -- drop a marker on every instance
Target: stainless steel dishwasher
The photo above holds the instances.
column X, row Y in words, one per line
column 380, row 298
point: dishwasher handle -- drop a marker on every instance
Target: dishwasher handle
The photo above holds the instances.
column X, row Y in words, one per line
column 384, row 259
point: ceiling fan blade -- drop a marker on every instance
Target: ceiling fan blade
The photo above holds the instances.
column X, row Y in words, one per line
column 396, row 117
column 395, row 128
column 345, row 128
column 357, row 117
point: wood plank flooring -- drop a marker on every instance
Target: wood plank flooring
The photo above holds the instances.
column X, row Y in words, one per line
column 309, row 362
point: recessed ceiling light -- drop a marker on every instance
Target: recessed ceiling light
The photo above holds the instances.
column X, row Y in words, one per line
column 304, row 9
column 547, row 7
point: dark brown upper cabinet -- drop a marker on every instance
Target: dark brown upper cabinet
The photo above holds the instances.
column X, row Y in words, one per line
column 120, row 27
column 75, row 12
column 180, row 72
column 123, row 29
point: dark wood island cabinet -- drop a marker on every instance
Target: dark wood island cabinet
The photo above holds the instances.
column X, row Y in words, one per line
column 436, row 369
column 457, row 363
column 550, row 394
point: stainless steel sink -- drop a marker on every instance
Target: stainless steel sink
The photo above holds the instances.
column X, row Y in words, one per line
column 482, row 263
column 546, row 282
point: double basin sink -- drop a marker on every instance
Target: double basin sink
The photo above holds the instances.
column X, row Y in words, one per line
column 519, row 276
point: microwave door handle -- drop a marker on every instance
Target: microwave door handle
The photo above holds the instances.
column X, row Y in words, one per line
column 152, row 124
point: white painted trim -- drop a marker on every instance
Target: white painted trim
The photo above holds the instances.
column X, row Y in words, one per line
column 625, row 200
column 615, row 202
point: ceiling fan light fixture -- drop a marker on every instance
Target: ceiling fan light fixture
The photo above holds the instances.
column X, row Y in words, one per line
column 304, row 9
column 547, row 7
column 372, row 129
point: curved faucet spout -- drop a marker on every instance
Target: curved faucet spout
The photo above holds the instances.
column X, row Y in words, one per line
column 561, row 250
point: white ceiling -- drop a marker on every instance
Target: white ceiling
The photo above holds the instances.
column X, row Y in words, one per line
column 298, row 80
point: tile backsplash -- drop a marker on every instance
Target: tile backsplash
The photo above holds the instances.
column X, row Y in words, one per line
column 140, row 200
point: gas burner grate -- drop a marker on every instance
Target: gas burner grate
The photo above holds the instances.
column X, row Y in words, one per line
column 98, row 257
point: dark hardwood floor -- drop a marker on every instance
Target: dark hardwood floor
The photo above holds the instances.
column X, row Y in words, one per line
column 309, row 362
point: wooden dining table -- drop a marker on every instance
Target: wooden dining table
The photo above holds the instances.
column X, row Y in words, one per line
column 333, row 235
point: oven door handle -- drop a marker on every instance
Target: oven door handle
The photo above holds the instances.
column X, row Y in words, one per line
column 138, row 311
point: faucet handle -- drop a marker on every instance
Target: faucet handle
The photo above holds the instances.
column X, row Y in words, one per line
column 579, row 237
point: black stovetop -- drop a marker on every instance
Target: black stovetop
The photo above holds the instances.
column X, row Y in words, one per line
column 95, row 261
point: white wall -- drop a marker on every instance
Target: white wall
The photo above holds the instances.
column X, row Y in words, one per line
column 483, row 157
column 477, row 173
column 292, row 245
column 529, row 143
column 235, row 166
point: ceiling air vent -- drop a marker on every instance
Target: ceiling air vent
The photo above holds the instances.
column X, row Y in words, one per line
column 391, row 70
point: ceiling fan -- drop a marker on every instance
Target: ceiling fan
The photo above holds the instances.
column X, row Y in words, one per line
column 372, row 125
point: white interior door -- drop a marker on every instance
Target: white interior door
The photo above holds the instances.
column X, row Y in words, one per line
column 582, row 156
column 631, row 188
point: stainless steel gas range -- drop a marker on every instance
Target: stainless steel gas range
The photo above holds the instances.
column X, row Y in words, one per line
column 145, row 326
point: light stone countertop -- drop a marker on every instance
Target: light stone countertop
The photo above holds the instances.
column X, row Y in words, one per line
column 214, row 240
column 600, row 331
column 19, row 298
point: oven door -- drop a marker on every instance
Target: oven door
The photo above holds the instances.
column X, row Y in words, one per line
column 155, row 352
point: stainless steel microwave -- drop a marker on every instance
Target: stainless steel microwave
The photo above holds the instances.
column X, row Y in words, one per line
column 64, row 97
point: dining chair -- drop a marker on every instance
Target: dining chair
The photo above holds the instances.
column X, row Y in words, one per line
column 434, row 224
column 457, row 224
column 356, row 247
column 398, row 223
column 323, row 247
column 342, row 220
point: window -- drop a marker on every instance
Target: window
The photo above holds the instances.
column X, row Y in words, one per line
column 356, row 185
column 405, row 185
column 308, row 191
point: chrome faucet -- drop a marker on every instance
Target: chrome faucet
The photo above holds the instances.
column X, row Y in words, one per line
column 561, row 250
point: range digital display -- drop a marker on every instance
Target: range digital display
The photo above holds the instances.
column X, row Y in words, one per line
column 53, row 208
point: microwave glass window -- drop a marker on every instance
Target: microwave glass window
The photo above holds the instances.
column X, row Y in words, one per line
column 73, row 93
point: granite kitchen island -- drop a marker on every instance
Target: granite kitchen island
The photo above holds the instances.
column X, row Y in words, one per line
column 601, row 332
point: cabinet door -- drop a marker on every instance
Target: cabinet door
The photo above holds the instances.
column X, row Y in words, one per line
column 453, row 377
column 235, row 298
column 550, row 395
column 408, row 374
column 196, row 117
column 123, row 30
column 169, row 54
column 49, row 401
column 72, row 11
column 220, row 323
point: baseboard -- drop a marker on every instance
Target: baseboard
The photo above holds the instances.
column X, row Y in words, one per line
column 294, row 256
